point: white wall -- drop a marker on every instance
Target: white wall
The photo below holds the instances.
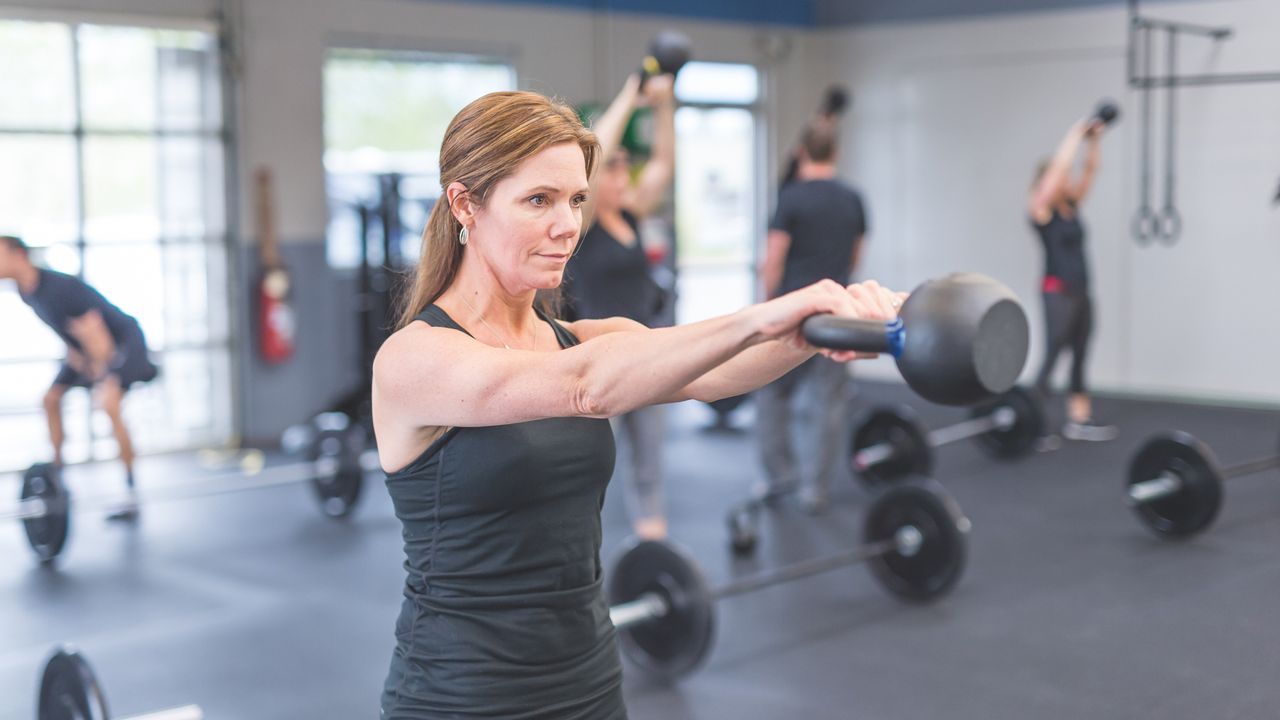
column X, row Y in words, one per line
column 571, row 54
column 950, row 118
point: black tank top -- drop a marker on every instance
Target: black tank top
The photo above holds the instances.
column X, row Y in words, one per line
column 605, row 278
column 1063, row 240
column 503, row 613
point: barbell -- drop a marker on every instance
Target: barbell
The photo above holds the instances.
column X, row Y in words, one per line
column 333, row 465
column 1175, row 483
column 913, row 539
column 890, row 443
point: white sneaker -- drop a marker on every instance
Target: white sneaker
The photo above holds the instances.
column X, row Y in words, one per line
column 127, row 511
column 1048, row 443
column 767, row 493
column 1089, row 431
column 813, row 500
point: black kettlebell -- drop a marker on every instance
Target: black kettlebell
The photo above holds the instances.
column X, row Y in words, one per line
column 958, row 340
column 668, row 52
column 835, row 101
column 1106, row 113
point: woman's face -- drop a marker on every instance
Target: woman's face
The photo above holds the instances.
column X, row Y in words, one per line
column 529, row 225
column 615, row 178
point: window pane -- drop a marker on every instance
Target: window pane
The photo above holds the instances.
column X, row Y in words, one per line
column 24, row 440
column 38, row 187
column 120, row 189
column 718, row 83
column 25, row 336
column 711, row 291
column 363, row 141
column 188, row 86
column 35, row 62
column 191, row 188
column 187, row 405
column 63, row 257
column 194, row 281
column 117, row 77
column 26, row 382
column 715, row 209
column 129, row 276
column 165, row 175
column 168, row 77
column 428, row 93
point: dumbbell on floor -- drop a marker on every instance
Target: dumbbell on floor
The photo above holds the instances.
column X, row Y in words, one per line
column 664, row 610
column 1175, row 483
column 891, row 443
column 69, row 690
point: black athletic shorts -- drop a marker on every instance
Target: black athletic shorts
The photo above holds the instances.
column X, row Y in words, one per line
column 130, row 364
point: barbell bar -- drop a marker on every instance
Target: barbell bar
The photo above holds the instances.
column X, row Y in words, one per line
column 335, row 467
column 664, row 609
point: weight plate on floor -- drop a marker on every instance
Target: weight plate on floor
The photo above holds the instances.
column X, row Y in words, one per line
column 930, row 568
column 672, row 646
column 1028, row 424
column 339, row 476
column 69, row 690
column 899, row 428
column 47, row 535
column 1195, row 505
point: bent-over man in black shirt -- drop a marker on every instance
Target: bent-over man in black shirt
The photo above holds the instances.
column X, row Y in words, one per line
column 106, row 350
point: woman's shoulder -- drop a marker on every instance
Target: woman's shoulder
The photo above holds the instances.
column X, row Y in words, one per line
column 416, row 342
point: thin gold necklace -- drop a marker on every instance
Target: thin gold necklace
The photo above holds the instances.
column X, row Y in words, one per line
column 496, row 334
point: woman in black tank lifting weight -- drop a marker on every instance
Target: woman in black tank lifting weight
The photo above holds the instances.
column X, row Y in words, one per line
column 608, row 275
column 490, row 418
column 1054, row 207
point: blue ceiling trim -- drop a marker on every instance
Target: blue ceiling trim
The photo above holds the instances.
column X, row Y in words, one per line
column 828, row 13
column 795, row 13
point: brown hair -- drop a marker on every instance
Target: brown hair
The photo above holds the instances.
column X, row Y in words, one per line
column 483, row 145
column 819, row 141
column 15, row 243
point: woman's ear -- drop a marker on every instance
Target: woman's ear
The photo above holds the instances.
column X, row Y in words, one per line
column 461, row 204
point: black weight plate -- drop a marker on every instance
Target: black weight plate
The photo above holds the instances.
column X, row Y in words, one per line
column 1195, row 505
column 69, row 690
column 1020, row 438
column 937, row 564
column 670, row 647
column 339, row 477
column 47, row 535
column 900, row 428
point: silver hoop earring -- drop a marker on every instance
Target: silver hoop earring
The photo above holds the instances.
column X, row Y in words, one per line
column 463, row 235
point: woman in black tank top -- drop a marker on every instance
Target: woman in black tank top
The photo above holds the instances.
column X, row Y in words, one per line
column 609, row 275
column 1054, row 207
column 490, row 417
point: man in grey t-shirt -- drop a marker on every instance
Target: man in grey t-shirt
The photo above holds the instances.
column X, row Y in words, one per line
column 816, row 233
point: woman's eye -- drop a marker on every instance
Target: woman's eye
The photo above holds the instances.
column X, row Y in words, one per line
column 539, row 200
column 578, row 200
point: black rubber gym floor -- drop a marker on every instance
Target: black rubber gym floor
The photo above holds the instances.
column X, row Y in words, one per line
column 256, row 607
